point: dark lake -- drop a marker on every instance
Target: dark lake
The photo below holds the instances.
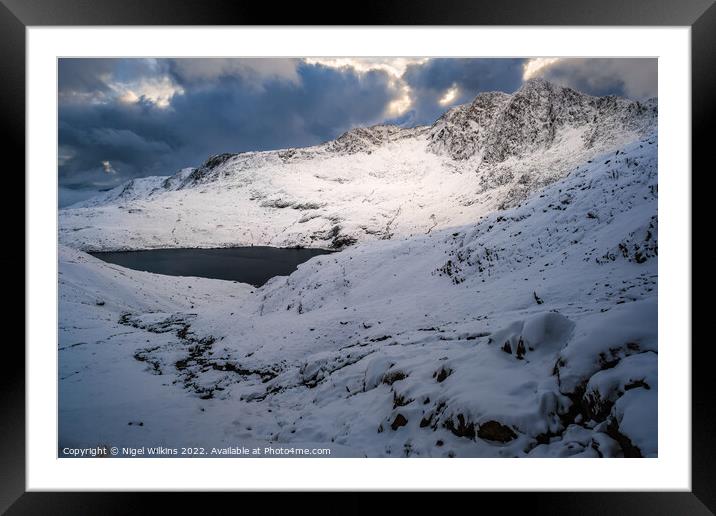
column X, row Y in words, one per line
column 253, row 265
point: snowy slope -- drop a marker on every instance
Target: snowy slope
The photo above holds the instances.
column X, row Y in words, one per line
column 529, row 331
column 369, row 184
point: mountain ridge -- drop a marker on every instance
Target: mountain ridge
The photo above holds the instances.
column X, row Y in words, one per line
column 500, row 125
column 371, row 182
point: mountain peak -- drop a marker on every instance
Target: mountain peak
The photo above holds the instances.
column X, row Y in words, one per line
column 497, row 126
column 538, row 83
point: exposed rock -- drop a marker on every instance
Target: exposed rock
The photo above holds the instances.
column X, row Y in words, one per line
column 496, row 126
column 494, row 431
column 399, row 421
column 461, row 428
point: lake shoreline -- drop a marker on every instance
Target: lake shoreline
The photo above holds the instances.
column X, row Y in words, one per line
column 254, row 265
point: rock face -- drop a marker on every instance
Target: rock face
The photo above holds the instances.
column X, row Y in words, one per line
column 366, row 139
column 463, row 132
column 498, row 126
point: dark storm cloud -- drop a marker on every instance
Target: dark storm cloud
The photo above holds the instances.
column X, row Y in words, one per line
column 84, row 75
column 134, row 138
column 625, row 77
column 95, row 79
column 431, row 80
column 253, row 71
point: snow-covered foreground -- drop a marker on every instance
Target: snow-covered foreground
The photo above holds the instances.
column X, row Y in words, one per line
column 531, row 332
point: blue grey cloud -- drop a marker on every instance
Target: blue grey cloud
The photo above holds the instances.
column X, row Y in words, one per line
column 430, row 81
column 625, row 77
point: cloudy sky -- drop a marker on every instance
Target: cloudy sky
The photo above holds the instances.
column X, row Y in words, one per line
column 126, row 118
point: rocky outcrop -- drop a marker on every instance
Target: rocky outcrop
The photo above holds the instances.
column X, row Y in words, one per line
column 496, row 126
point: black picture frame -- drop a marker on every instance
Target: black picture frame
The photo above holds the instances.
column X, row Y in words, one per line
column 16, row 15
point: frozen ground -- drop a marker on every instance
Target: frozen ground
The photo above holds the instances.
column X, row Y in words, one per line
column 524, row 331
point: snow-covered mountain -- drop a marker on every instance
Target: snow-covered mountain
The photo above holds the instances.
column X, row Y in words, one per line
column 370, row 183
column 519, row 320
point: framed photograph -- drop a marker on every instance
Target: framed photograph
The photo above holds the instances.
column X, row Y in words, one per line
column 419, row 252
